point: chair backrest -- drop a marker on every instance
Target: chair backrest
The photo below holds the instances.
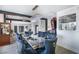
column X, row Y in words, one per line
column 42, row 34
column 17, row 37
column 19, row 43
column 49, row 49
column 28, row 33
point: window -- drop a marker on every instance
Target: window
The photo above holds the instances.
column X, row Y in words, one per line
column 15, row 29
column 36, row 29
column 21, row 28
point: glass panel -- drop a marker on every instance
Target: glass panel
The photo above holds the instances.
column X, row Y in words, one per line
column 15, row 29
column 21, row 28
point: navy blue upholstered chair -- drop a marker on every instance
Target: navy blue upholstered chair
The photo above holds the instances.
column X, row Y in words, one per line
column 50, row 39
column 19, row 43
column 49, row 49
column 26, row 48
column 42, row 34
column 28, row 33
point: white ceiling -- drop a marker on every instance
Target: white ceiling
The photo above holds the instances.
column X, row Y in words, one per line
column 46, row 10
column 23, row 9
column 49, row 10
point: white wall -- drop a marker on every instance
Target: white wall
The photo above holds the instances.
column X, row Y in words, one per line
column 69, row 39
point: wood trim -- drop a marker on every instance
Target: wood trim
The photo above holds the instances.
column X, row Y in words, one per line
column 4, row 18
column 54, row 21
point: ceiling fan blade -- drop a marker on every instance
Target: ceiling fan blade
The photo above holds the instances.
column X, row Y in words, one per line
column 35, row 7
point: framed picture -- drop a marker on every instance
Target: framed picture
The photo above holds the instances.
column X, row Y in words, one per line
column 67, row 22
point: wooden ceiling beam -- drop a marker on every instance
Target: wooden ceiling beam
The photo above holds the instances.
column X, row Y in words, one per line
column 18, row 20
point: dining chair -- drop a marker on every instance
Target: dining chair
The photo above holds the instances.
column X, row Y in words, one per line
column 19, row 43
column 26, row 48
column 49, row 47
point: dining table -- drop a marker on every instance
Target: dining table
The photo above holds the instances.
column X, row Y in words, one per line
column 35, row 42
